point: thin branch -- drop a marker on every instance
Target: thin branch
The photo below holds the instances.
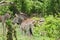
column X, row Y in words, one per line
column 4, row 3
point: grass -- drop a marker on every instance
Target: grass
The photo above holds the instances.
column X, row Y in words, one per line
column 1, row 31
column 24, row 37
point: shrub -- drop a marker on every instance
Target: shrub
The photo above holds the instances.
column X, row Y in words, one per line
column 50, row 28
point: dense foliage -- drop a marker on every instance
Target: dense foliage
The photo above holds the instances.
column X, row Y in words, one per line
column 42, row 7
column 50, row 28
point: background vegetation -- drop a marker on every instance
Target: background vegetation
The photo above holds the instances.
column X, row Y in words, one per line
column 49, row 9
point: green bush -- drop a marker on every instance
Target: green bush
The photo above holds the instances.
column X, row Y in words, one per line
column 50, row 28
